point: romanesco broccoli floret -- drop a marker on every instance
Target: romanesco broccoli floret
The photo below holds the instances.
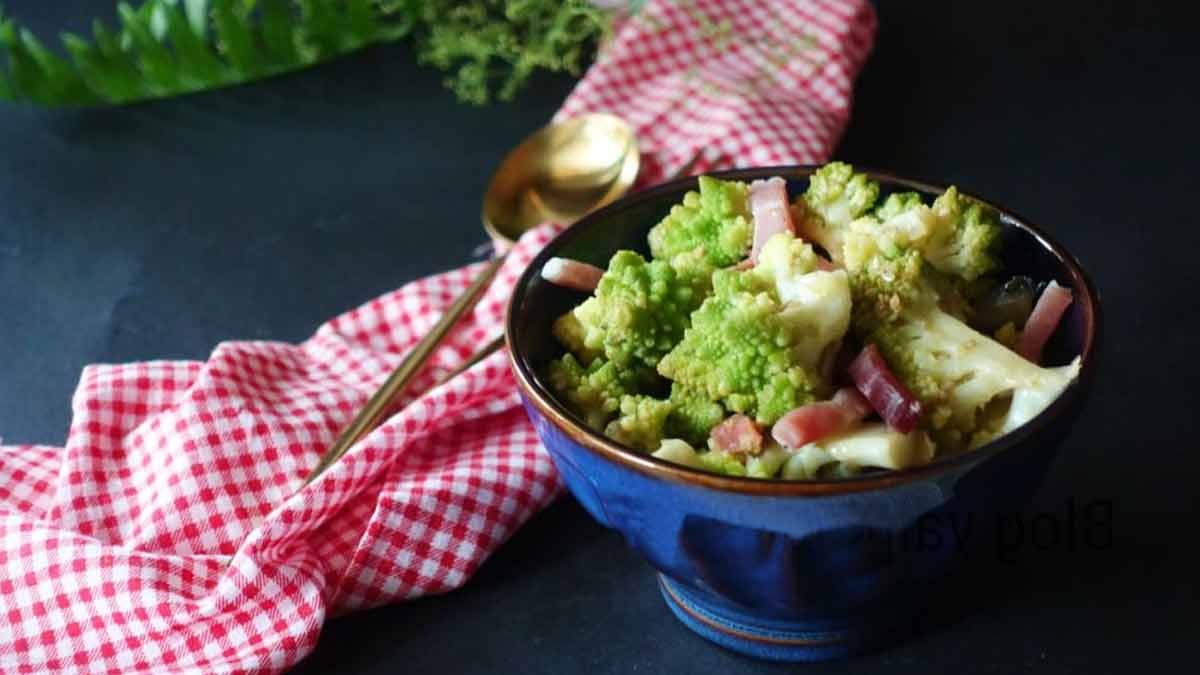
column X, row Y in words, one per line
column 694, row 269
column 913, row 312
column 956, row 371
column 884, row 278
column 710, row 229
column 963, row 238
column 956, row 236
column 896, row 203
column 718, row 461
column 816, row 303
column 570, row 334
column 835, row 197
column 594, row 392
column 693, row 414
column 889, row 260
column 640, row 423
column 755, row 345
column 737, row 353
column 638, row 313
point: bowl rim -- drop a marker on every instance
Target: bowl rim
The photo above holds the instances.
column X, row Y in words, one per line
column 540, row 398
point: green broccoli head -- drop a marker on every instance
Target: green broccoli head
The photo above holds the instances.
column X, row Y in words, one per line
column 594, row 392
column 641, row 422
column 964, row 237
column 693, row 414
column 710, row 229
column 638, row 313
column 835, row 197
column 755, row 345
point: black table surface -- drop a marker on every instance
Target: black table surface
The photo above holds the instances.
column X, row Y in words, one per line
column 157, row 230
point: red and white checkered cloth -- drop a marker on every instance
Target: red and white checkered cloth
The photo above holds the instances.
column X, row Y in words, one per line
column 731, row 83
column 168, row 536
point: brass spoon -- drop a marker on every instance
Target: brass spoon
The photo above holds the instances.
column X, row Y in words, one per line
column 559, row 174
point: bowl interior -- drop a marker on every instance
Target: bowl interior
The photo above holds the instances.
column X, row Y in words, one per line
column 536, row 303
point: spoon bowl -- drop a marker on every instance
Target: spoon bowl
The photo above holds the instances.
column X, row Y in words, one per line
column 560, row 173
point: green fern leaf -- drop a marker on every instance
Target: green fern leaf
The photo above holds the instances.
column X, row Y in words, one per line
column 236, row 40
column 168, row 47
column 277, row 33
column 152, row 58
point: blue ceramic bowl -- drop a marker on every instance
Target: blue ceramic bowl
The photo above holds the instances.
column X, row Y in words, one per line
column 792, row 570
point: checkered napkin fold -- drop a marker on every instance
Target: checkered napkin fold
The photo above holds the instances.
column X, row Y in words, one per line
column 168, row 534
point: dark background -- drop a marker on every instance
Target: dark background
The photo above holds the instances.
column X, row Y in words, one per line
column 157, row 230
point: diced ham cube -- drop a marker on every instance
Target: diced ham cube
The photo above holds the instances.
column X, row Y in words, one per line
column 772, row 215
column 812, row 422
column 572, row 274
column 737, row 435
column 1044, row 319
column 886, row 393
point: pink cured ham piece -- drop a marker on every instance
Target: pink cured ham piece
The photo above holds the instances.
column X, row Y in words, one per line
column 572, row 274
column 738, row 435
column 769, row 205
column 812, row 422
column 886, row 393
column 1047, row 313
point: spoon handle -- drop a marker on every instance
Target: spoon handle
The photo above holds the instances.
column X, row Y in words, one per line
column 373, row 412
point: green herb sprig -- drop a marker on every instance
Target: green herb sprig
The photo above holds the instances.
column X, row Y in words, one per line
column 163, row 48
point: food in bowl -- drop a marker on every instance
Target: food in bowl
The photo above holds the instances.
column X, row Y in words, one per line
column 816, row 338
